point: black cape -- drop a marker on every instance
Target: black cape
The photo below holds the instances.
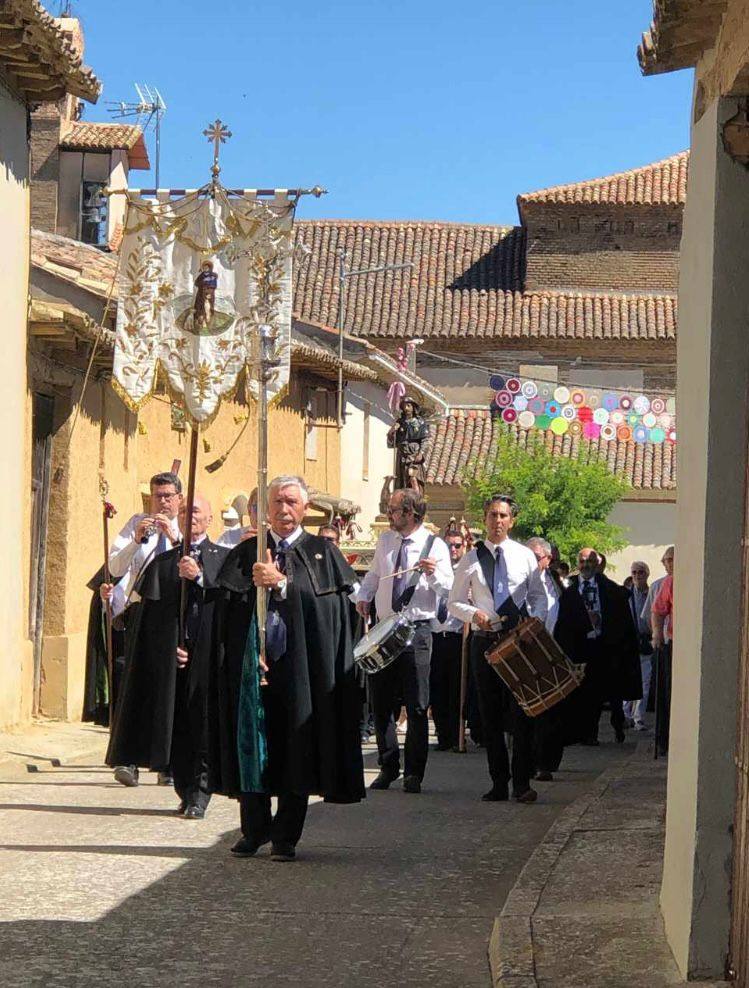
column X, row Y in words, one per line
column 96, row 688
column 144, row 713
column 614, row 657
column 312, row 700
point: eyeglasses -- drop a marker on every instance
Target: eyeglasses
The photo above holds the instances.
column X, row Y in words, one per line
column 165, row 497
column 397, row 511
column 639, row 572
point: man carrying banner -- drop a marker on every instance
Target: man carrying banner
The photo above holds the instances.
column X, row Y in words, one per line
column 297, row 734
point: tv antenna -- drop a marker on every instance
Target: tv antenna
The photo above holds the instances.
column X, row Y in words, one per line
column 148, row 109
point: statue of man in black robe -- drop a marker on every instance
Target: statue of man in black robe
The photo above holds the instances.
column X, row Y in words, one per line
column 292, row 729
column 409, row 437
column 160, row 717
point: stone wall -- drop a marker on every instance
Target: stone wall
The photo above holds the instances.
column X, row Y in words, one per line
column 592, row 247
column 45, row 166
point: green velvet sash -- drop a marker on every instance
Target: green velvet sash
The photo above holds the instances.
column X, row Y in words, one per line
column 252, row 745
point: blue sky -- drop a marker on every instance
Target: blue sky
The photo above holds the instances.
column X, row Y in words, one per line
column 417, row 109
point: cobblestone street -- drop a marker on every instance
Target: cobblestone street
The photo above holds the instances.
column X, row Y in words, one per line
column 104, row 885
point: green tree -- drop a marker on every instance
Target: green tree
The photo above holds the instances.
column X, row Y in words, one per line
column 565, row 499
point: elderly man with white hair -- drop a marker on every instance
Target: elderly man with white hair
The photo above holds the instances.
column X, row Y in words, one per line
column 288, row 728
column 634, row 710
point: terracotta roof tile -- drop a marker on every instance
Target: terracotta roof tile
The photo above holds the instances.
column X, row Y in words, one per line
column 466, row 283
column 73, row 261
column 88, row 136
column 661, row 183
column 466, row 437
column 43, row 60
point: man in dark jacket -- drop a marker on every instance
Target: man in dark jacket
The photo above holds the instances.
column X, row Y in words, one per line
column 612, row 668
column 292, row 729
column 160, row 718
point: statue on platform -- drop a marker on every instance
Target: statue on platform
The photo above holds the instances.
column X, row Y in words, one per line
column 409, row 436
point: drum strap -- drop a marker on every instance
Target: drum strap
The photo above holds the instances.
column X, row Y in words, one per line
column 408, row 591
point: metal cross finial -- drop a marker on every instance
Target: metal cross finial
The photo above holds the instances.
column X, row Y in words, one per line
column 218, row 133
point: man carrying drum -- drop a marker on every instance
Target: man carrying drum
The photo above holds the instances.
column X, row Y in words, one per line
column 409, row 570
column 496, row 577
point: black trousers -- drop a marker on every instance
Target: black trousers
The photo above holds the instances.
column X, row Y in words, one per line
column 500, row 712
column 444, row 685
column 258, row 824
column 188, row 764
column 406, row 679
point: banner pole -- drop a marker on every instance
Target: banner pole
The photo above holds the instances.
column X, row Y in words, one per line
column 264, row 368
column 187, row 534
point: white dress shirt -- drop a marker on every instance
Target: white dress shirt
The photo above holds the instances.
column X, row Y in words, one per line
column 424, row 602
column 543, row 602
column 128, row 558
column 521, row 565
column 451, row 623
column 231, row 536
column 275, row 538
column 592, row 601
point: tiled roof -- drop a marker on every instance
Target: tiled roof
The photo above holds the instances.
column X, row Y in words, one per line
column 73, row 261
column 39, row 56
column 466, row 283
column 85, row 136
column 467, row 437
column 661, row 183
column 681, row 30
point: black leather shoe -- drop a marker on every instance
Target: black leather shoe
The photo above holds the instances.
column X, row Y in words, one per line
column 497, row 794
column 384, row 780
column 590, row 742
column 180, row 811
column 620, row 737
column 411, row 783
column 164, row 779
column 194, row 813
column 526, row 796
column 126, row 775
column 543, row 776
column 283, row 852
column 246, row 848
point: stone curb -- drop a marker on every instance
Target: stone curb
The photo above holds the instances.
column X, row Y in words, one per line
column 511, row 957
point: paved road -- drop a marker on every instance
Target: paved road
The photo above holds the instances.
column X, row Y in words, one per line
column 103, row 885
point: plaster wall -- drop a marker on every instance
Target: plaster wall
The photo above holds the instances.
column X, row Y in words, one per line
column 117, row 204
column 128, row 449
column 15, row 654
column 650, row 527
column 380, row 461
column 713, row 369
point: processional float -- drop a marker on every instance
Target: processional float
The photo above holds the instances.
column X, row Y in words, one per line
column 205, row 304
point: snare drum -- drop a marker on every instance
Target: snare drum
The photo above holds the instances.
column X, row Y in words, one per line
column 384, row 643
column 533, row 667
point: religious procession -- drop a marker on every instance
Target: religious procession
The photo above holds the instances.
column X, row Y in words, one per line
column 339, row 630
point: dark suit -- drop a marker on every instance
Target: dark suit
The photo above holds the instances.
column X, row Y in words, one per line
column 612, row 659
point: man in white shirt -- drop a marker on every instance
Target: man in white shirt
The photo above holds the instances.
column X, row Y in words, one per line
column 546, row 591
column 240, row 533
column 493, row 581
column 447, row 647
column 142, row 538
column 408, row 546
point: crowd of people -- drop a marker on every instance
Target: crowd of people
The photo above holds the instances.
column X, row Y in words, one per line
column 215, row 703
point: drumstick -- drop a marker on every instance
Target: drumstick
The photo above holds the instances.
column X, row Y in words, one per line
column 399, row 572
column 463, row 688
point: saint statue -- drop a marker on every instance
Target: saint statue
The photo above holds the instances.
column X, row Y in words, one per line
column 409, row 436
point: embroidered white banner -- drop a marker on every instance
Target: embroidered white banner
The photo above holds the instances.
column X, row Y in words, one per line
column 198, row 276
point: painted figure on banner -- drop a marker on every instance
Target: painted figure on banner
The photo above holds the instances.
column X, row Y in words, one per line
column 409, row 436
column 205, row 294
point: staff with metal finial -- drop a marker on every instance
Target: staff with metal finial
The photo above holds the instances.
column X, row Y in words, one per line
column 217, row 133
column 108, row 511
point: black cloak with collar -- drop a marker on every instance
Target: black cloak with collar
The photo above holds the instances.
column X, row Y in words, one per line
column 312, row 701
column 144, row 712
column 614, row 657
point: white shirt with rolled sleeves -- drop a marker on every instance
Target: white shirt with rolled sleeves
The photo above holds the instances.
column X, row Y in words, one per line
column 128, row 558
column 521, row 566
column 424, row 602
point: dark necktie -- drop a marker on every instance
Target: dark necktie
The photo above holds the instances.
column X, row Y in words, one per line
column 442, row 610
column 500, row 579
column 275, row 626
column 399, row 582
column 194, row 598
